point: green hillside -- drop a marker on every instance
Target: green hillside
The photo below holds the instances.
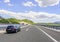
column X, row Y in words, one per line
column 15, row 21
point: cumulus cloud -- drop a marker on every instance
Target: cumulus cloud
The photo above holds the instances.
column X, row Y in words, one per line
column 29, row 4
column 45, row 3
column 9, row 13
column 34, row 16
column 8, row 2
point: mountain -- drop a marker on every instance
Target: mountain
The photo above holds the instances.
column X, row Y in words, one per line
column 57, row 22
column 1, row 18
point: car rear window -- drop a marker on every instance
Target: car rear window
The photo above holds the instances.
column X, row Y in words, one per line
column 10, row 26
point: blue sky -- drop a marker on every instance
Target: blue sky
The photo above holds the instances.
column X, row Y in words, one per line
column 46, row 7
column 18, row 7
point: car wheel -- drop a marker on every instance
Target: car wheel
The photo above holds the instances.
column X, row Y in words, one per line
column 7, row 32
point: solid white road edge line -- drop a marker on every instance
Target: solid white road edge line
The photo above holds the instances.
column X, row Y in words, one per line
column 47, row 34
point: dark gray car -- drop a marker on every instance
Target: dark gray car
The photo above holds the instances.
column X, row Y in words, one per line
column 11, row 29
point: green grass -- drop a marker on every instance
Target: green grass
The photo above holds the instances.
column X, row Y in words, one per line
column 15, row 21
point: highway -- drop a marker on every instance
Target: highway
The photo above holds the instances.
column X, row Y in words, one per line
column 32, row 33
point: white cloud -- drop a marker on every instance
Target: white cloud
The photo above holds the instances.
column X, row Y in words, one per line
column 9, row 13
column 9, row 4
column 6, row 1
column 29, row 4
column 34, row 16
column 45, row 3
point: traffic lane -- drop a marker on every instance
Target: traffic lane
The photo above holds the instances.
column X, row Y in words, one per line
column 54, row 34
column 9, row 37
column 26, row 35
column 34, row 35
column 12, row 37
column 3, row 30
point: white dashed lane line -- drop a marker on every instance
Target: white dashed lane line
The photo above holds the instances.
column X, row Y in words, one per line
column 27, row 29
column 24, row 26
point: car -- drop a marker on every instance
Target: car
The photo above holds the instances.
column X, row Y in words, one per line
column 13, row 29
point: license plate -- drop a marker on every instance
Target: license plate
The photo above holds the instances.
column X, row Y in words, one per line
column 9, row 29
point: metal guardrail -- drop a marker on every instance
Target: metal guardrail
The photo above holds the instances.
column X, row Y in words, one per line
column 53, row 27
column 4, row 26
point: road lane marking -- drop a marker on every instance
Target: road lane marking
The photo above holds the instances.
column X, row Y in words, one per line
column 47, row 34
column 27, row 29
column 24, row 26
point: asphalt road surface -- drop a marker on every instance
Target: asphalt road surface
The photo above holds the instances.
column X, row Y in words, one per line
column 33, row 33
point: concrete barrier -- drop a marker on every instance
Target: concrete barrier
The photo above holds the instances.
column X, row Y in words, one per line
column 2, row 31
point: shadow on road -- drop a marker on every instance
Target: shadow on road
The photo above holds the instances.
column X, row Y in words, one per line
column 9, row 33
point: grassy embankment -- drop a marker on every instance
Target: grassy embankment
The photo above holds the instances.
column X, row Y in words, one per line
column 15, row 21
